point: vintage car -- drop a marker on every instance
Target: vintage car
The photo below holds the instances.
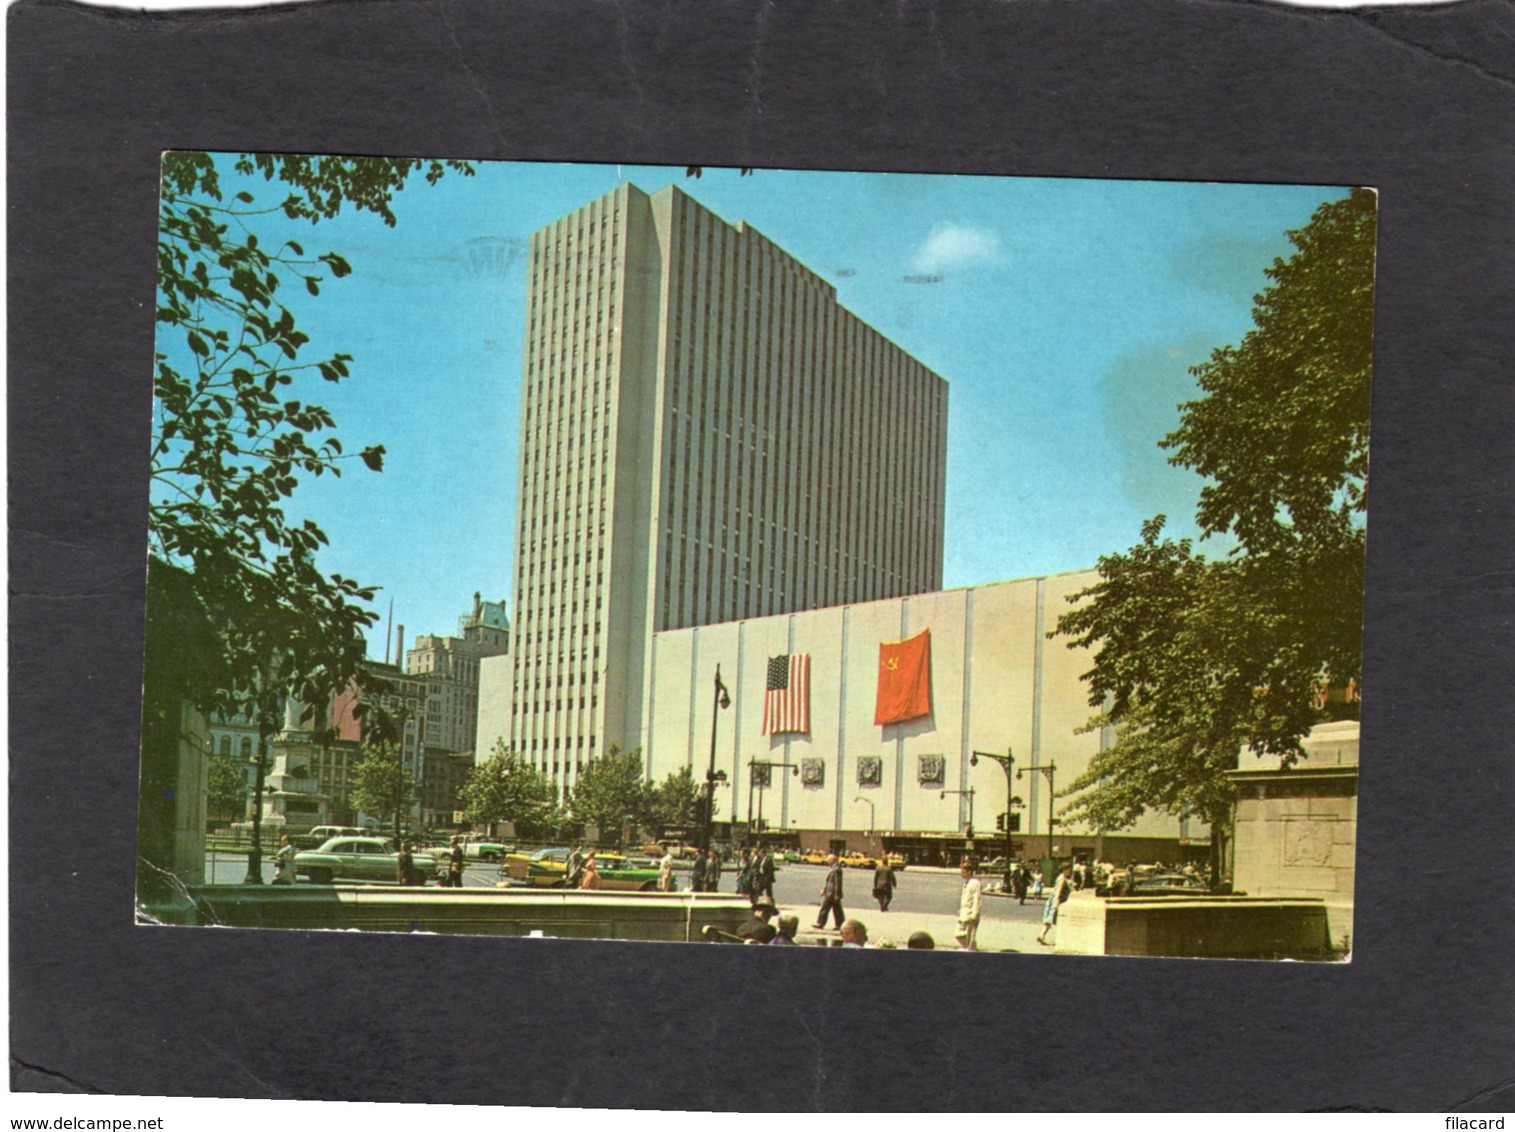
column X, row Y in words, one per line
column 485, row 850
column 516, row 867
column 857, row 860
column 896, row 861
column 360, row 858
column 626, row 874
column 813, row 857
column 617, row 873
column 1169, row 884
column 321, row 834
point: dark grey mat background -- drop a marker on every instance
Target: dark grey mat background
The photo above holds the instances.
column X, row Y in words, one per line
column 1415, row 101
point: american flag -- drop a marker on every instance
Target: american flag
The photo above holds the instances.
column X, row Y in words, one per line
column 786, row 705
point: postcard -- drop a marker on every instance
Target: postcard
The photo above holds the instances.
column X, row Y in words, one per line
column 757, row 556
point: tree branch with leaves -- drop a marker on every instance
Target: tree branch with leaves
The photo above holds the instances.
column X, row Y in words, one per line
column 1195, row 660
column 234, row 432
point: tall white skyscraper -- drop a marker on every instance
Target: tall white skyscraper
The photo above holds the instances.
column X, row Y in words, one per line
column 706, row 435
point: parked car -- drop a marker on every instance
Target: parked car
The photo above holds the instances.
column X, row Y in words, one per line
column 359, row 858
column 857, row 860
column 813, row 857
column 896, row 861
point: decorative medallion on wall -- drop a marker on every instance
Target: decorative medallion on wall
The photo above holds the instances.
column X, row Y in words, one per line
column 870, row 770
column 813, row 773
column 931, row 770
column 762, row 775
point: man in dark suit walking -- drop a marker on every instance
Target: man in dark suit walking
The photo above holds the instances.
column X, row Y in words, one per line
column 831, row 895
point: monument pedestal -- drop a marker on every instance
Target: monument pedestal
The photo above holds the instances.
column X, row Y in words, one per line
column 291, row 802
column 1296, row 828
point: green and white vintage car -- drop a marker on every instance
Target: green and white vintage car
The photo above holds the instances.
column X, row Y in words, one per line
column 359, row 858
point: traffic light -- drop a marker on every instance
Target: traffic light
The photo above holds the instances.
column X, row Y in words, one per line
column 1015, row 823
column 999, row 822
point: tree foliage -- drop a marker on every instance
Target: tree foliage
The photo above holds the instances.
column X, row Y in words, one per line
column 378, row 779
column 611, row 791
column 676, row 800
column 504, row 787
column 233, row 430
column 1195, row 659
column 226, row 785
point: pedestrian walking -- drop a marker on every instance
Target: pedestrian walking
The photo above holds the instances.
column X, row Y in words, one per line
column 405, row 865
column 744, row 878
column 284, row 861
column 1057, row 896
column 969, row 908
column 883, row 884
column 831, row 895
column 713, row 871
column 455, row 865
column 764, row 871
column 697, row 874
column 574, row 868
column 591, row 877
column 1022, row 882
column 665, row 871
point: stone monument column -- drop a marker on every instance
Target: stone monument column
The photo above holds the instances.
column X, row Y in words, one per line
column 291, row 801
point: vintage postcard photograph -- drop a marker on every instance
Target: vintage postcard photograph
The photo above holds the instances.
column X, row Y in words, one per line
column 756, row 556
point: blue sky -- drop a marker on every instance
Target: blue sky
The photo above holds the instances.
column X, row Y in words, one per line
column 1064, row 315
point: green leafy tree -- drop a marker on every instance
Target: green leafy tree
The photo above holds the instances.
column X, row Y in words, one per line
column 611, row 793
column 1195, row 659
column 380, row 783
column 226, row 786
column 233, row 434
column 233, row 430
column 504, row 787
column 676, row 800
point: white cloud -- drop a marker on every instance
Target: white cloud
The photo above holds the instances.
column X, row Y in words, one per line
column 953, row 245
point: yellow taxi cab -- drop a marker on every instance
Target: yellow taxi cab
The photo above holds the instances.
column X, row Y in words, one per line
column 813, row 857
column 857, row 860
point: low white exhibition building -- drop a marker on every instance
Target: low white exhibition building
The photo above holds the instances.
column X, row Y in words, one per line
column 996, row 684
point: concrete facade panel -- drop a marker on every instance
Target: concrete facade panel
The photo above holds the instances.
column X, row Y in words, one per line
column 986, row 694
column 494, row 705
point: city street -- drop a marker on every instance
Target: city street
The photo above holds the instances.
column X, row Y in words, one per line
column 930, row 892
column 796, row 888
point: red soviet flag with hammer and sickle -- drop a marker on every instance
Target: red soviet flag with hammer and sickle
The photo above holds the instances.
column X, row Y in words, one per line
column 904, row 679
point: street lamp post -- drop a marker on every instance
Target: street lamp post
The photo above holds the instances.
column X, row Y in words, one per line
column 255, row 854
column 872, row 813
column 403, row 712
column 969, row 792
column 722, row 701
column 768, row 764
column 1049, row 770
column 1006, row 764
